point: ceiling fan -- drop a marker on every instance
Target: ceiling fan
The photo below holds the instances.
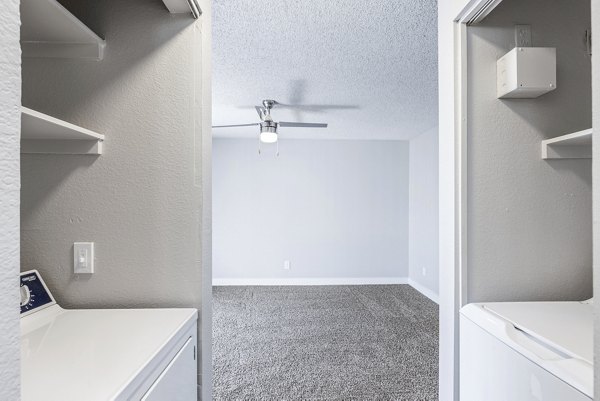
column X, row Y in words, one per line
column 268, row 127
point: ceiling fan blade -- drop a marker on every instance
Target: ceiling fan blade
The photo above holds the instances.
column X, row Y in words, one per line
column 317, row 107
column 302, row 125
column 235, row 125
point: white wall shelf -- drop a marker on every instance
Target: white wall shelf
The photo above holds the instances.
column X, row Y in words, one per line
column 41, row 133
column 49, row 30
column 577, row 145
column 183, row 6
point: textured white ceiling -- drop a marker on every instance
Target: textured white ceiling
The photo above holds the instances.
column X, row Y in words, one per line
column 376, row 58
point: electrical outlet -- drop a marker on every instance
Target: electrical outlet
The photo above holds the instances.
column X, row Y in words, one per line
column 523, row 36
column 286, row 265
column 83, row 257
column 424, row 271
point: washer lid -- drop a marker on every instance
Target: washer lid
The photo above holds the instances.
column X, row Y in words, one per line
column 93, row 355
column 565, row 326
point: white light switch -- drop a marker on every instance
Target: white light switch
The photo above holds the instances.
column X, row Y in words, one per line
column 286, row 265
column 83, row 257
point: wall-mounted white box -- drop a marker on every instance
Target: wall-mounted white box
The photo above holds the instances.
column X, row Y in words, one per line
column 526, row 72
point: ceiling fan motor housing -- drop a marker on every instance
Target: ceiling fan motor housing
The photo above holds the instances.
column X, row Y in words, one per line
column 268, row 126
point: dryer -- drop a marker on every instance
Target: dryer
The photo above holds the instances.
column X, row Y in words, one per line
column 104, row 354
column 522, row 351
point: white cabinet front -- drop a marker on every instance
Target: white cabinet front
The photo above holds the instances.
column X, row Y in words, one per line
column 178, row 381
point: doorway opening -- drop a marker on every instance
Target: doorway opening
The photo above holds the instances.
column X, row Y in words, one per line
column 325, row 259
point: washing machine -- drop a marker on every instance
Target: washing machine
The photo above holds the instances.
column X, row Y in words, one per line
column 523, row 351
column 104, row 354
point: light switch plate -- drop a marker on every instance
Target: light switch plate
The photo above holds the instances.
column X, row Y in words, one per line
column 83, row 257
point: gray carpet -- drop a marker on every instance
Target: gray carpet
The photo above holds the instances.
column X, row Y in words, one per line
column 324, row 343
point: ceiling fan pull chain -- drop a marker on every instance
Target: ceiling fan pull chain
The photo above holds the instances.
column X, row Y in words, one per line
column 259, row 145
column 277, row 143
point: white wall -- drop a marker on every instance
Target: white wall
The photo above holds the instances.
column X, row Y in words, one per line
column 10, row 123
column 141, row 201
column 423, row 232
column 529, row 220
column 335, row 209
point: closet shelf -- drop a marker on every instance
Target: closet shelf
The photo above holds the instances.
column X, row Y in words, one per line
column 41, row 133
column 183, row 6
column 49, row 30
column 577, row 145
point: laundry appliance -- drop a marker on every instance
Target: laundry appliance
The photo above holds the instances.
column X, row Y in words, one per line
column 104, row 354
column 523, row 351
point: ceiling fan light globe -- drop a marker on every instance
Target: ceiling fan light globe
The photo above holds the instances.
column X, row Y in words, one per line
column 268, row 137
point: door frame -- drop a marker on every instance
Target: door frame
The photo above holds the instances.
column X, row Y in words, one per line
column 203, row 171
column 453, row 20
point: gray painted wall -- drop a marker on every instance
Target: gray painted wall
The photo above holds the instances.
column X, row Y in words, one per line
column 423, row 218
column 140, row 201
column 529, row 220
column 335, row 209
column 10, row 125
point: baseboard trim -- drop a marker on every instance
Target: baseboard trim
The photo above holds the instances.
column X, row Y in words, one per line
column 327, row 281
column 424, row 290
column 310, row 281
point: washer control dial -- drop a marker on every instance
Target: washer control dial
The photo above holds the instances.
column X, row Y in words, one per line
column 34, row 293
column 25, row 295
